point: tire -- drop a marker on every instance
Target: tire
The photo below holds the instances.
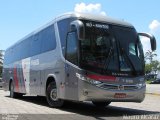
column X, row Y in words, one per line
column 14, row 94
column 51, row 96
column 101, row 103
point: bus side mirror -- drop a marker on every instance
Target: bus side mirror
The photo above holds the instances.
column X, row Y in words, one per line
column 152, row 39
column 78, row 26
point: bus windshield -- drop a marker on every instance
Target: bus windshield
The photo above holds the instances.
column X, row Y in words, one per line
column 109, row 49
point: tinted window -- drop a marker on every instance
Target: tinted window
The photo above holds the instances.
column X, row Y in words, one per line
column 41, row 42
column 6, row 57
column 16, row 52
column 132, row 49
column 48, row 39
column 35, row 45
column 25, row 48
column 11, row 55
column 71, row 50
column 129, row 50
column 64, row 27
column 99, row 49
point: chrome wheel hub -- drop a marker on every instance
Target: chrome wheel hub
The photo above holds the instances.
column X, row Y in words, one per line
column 53, row 94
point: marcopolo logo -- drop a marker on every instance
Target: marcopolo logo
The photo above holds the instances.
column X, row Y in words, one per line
column 121, row 87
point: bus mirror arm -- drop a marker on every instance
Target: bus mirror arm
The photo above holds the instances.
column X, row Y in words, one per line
column 152, row 39
column 78, row 26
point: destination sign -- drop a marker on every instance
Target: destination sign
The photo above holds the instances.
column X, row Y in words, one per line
column 97, row 25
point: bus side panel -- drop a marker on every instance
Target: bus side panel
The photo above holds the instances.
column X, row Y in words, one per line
column 6, row 76
column 35, row 73
column 26, row 74
column 14, row 73
column 18, row 77
column 71, row 81
column 51, row 65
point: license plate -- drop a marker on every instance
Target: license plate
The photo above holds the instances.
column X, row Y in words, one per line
column 120, row 95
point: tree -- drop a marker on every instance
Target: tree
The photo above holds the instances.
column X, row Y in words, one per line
column 151, row 69
column 148, row 68
column 149, row 55
column 155, row 65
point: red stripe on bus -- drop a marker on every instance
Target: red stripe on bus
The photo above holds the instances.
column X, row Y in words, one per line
column 16, row 79
column 101, row 77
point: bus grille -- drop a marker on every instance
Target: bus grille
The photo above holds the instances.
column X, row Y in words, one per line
column 130, row 87
column 117, row 87
column 109, row 87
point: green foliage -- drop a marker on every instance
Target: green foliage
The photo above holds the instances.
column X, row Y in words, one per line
column 149, row 81
column 153, row 66
column 149, row 55
column 148, row 68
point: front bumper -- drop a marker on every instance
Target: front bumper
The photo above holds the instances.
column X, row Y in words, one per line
column 90, row 92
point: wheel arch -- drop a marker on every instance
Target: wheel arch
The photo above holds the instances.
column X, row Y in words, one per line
column 50, row 78
column 56, row 102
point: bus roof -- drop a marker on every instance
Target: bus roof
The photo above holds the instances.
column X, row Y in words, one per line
column 87, row 16
column 94, row 17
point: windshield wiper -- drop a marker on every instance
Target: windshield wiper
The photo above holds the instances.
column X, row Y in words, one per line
column 123, row 52
column 107, row 60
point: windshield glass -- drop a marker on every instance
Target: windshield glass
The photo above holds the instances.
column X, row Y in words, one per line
column 111, row 49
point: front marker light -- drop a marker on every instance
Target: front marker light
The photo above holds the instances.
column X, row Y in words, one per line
column 81, row 77
column 89, row 80
column 140, row 85
column 94, row 82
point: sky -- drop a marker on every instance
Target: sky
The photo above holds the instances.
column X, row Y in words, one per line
column 20, row 17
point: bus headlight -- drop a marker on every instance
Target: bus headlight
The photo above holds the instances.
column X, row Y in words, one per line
column 94, row 82
column 140, row 85
column 89, row 80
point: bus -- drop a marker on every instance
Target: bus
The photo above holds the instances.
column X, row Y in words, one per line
column 78, row 57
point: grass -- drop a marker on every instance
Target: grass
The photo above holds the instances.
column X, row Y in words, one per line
column 149, row 81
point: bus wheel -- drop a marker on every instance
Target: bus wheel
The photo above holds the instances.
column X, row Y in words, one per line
column 12, row 93
column 51, row 95
column 101, row 103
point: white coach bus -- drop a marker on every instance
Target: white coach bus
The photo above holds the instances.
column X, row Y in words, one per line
column 78, row 57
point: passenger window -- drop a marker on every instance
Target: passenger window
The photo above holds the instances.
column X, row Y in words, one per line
column 71, row 48
column 48, row 39
column 25, row 48
column 35, row 45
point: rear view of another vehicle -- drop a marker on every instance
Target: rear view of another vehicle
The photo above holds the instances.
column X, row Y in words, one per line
column 157, row 81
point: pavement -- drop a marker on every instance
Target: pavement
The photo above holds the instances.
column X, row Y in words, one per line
column 24, row 106
column 36, row 108
column 153, row 89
